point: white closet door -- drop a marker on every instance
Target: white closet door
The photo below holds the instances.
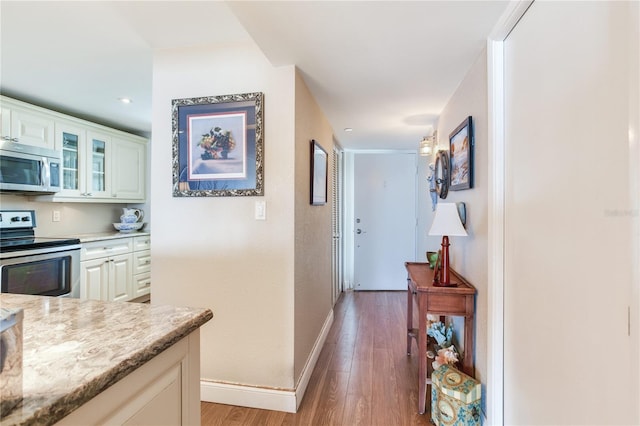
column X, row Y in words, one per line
column 569, row 246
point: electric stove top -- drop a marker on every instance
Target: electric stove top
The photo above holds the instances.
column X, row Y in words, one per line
column 17, row 233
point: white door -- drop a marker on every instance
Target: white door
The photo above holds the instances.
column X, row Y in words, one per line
column 385, row 219
column 569, row 216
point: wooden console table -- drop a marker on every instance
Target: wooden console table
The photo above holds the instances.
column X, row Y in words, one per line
column 451, row 301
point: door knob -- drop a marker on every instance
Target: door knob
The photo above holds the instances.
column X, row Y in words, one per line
column 358, row 231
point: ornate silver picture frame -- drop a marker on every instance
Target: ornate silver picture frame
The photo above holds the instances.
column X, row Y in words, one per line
column 218, row 146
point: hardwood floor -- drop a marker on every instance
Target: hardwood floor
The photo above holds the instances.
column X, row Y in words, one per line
column 363, row 375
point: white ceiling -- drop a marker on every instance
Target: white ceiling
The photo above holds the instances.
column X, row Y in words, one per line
column 384, row 68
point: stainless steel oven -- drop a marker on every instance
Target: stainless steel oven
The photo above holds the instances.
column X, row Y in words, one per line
column 36, row 265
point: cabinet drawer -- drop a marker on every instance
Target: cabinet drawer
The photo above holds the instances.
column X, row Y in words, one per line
column 142, row 284
column 141, row 261
column 142, row 242
column 103, row 248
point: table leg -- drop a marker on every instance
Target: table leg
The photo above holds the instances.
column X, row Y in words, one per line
column 409, row 318
column 467, row 362
column 422, row 356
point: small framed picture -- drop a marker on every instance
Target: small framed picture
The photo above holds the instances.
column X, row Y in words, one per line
column 461, row 156
column 319, row 175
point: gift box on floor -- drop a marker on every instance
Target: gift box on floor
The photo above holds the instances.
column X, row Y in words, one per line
column 455, row 397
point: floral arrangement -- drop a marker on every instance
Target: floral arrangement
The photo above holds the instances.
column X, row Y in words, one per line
column 443, row 334
column 445, row 356
column 216, row 144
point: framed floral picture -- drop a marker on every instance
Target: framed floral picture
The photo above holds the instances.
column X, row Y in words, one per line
column 461, row 156
column 218, row 146
column 319, row 174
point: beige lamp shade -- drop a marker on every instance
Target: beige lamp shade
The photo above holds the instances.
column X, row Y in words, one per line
column 447, row 221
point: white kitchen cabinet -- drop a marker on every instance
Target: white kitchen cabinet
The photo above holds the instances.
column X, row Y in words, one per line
column 5, row 122
column 128, row 169
column 32, row 128
column 116, row 269
column 120, row 278
column 71, row 139
column 100, row 167
column 26, row 125
column 100, row 164
column 107, row 278
column 141, row 266
column 107, row 270
column 163, row 391
column 94, row 279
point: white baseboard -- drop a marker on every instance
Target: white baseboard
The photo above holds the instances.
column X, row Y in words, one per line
column 287, row 400
column 301, row 386
column 248, row 396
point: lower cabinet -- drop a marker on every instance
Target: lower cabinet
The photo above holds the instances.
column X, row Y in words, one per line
column 164, row 391
column 141, row 266
column 116, row 269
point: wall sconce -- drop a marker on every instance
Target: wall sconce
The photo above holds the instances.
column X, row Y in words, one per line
column 428, row 144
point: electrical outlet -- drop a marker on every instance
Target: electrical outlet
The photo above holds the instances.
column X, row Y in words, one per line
column 56, row 216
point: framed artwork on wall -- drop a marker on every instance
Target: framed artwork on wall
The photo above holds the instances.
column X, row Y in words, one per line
column 319, row 174
column 461, row 156
column 218, row 146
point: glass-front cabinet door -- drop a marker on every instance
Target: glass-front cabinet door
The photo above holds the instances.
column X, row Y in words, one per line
column 97, row 165
column 70, row 155
column 98, row 184
column 71, row 141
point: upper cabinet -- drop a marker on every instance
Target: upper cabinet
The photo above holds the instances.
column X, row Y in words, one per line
column 130, row 157
column 99, row 164
column 27, row 126
column 101, row 167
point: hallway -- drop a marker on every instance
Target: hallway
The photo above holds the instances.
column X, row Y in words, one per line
column 363, row 375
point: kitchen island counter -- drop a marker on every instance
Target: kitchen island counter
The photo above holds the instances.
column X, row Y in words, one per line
column 75, row 349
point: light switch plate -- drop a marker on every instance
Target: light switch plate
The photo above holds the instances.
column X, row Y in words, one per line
column 261, row 210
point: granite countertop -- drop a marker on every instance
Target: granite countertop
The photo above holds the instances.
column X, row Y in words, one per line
column 74, row 349
column 110, row 235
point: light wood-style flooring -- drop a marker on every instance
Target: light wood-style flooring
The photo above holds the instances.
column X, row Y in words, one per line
column 363, row 375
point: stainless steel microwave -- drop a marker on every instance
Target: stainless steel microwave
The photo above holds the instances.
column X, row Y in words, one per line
column 29, row 169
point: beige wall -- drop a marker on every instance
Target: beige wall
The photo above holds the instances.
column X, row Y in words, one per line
column 267, row 282
column 468, row 254
column 210, row 251
column 75, row 218
column 312, row 229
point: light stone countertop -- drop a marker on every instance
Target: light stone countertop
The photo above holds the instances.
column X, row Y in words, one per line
column 99, row 236
column 74, row 349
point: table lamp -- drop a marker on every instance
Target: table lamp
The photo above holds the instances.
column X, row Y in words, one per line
column 446, row 223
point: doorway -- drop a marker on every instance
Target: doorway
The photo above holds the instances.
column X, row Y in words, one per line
column 384, row 219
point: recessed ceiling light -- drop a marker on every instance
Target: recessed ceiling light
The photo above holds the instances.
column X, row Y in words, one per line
column 125, row 100
column 348, row 129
